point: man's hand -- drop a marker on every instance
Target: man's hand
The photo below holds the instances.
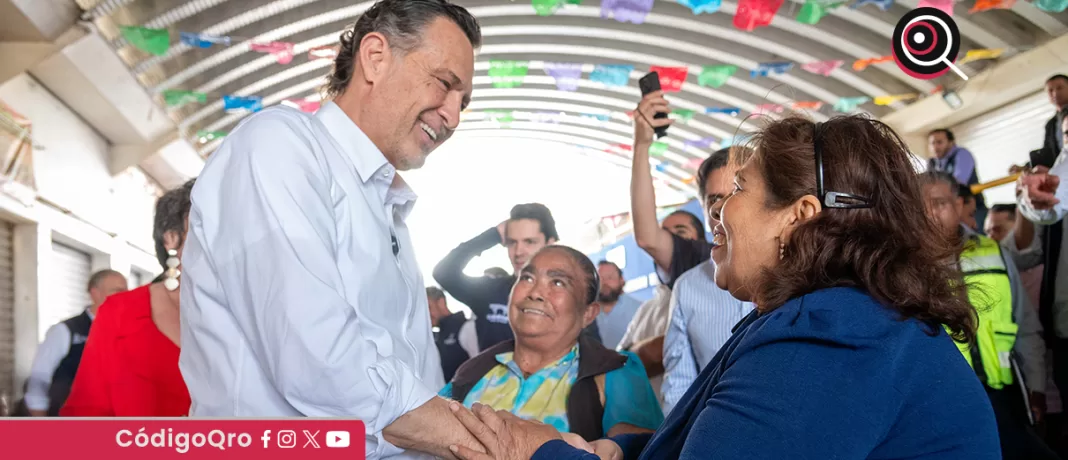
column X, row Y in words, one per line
column 501, row 229
column 643, row 117
column 1038, row 406
column 505, row 436
column 1040, row 187
column 431, row 428
column 607, row 449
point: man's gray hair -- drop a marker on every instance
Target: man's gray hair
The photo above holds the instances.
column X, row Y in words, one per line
column 402, row 22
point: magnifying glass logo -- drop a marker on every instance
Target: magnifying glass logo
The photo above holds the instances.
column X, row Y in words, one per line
column 926, row 41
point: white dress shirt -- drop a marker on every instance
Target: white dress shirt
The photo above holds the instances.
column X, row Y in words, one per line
column 1058, row 211
column 292, row 301
column 55, row 346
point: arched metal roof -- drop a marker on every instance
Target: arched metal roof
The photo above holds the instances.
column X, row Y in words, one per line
column 672, row 35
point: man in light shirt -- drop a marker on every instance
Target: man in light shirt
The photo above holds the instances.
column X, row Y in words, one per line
column 617, row 308
column 300, row 290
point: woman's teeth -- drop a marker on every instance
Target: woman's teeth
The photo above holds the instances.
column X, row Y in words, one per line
column 533, row 312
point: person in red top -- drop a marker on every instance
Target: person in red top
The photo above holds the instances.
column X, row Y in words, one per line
column 130, row 364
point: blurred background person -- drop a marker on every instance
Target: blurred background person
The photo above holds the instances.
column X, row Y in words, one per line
column 617, row 308
column 454, row 334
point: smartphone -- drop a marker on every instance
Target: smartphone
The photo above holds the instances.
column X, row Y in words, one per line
column 649, row 83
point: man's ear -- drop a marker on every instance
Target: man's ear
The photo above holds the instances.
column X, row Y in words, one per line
column 373, row 57
column 551, row 241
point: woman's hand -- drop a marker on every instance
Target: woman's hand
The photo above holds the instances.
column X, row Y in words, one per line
column 504, row 435
column 607, row 449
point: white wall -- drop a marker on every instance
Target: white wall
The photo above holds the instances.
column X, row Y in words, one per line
column 108, row 217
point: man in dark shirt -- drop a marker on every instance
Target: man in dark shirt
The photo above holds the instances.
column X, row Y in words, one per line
column 529, row 228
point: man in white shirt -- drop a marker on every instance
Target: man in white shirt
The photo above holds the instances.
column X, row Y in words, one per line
column 59, row 355
column 300, row 292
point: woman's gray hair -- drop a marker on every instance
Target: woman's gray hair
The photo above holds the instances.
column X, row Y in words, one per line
column 171, row 211
column 402, row 22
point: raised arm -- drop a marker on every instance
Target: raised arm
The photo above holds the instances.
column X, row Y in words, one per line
column 279, row 272
column 449, row 273
column 653, row 239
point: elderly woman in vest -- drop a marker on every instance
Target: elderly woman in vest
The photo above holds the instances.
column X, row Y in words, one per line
column 551, row 372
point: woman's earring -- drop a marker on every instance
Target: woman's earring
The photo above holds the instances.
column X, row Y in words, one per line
column 170, row 280
column 782, row 250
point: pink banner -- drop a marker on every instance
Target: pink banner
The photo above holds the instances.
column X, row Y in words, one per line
column 281, row 51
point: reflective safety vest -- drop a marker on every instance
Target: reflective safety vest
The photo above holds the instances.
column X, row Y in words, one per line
column 990, row 292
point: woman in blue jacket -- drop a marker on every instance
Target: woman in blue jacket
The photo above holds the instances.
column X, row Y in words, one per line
column 847, row 355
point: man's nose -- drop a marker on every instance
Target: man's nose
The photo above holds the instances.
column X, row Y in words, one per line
column 450, row 111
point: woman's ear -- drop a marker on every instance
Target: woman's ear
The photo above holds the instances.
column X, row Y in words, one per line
column 590, row 315
column 801, row 211
column 171, row 239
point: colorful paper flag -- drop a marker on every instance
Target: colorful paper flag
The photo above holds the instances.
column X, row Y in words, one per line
column 807, row 105
column 887, row 100
column 983, row 5
column 882, row 4
column 632, row 11
column 204, row 137
column 322, row 52
column 549, row 7
column 732, row 111
column 671, row 78
column 814, row 10
column 767, row 68
column 763, row 109
column 662, row 166
column 304, row 105
column 658, row 149
column 849, row 104
column 282, row 51
column 612, row 74
column 507, row 74
column 684, row 115
column 152, row 41
column 822, row 67
column 500, row 116
column 695, row 163
column 249, row 103
column 1051, row 6
column 734, row 140
column 944, row 5
column 545, row 116
column 598, row 116
column 689, row 180
column 702, row 6
column 755, row 13
column 862, row 64
column 202, row 40
column 704, row 142
column 979, row 55
column 716, row 75
column 179, row 97
column 566, row 75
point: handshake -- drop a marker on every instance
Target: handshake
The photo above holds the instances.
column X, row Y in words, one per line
column 503, row 436
column 1038, row 185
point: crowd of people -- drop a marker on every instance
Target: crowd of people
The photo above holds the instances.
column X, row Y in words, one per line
column 847, row 306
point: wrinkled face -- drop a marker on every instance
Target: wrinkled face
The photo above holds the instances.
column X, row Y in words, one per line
column 998, row 225
column 418, row 95
column 681, row 225
column 944, row 207
column 939, row 144
column 611, row 283
column 967, row 214
column 547, row 307
column 720, row 184
column 748, row 234
column 107, row 286
column 1058, row 92
column 523, row 238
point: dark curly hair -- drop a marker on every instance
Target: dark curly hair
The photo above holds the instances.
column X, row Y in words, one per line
column 171, row 211
column 402, row 22
column 888, row 250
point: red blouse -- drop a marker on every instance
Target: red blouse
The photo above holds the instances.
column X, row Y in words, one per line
column 128, row 368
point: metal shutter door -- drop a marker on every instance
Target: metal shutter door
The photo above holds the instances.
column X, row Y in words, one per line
column 67, row 286
column 1004, row 137
column 7, row 312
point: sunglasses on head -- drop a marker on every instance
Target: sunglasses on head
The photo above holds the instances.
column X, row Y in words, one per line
column 831, row 199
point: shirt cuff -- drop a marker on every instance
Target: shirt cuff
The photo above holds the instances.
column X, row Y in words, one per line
column 560, row 449
column 35, row 402
column 413, row 394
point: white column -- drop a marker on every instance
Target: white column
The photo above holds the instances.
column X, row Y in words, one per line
column 32, row 250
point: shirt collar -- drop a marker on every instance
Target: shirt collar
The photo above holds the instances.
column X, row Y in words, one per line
column 369, row 161
column 508, row 360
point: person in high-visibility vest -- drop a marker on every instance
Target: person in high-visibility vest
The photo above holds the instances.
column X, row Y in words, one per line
column 1008, row 328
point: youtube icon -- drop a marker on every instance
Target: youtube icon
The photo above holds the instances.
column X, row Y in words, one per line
column 337, row 439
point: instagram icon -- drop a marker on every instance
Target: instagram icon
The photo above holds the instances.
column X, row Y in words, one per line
column 287, row 439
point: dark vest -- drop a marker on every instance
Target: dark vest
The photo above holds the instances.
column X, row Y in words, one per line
column 447, row 338
column 63, row 377
column 1052, row 238
column 584, row 409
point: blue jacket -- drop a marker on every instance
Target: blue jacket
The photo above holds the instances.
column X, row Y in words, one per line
column 829, row 375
